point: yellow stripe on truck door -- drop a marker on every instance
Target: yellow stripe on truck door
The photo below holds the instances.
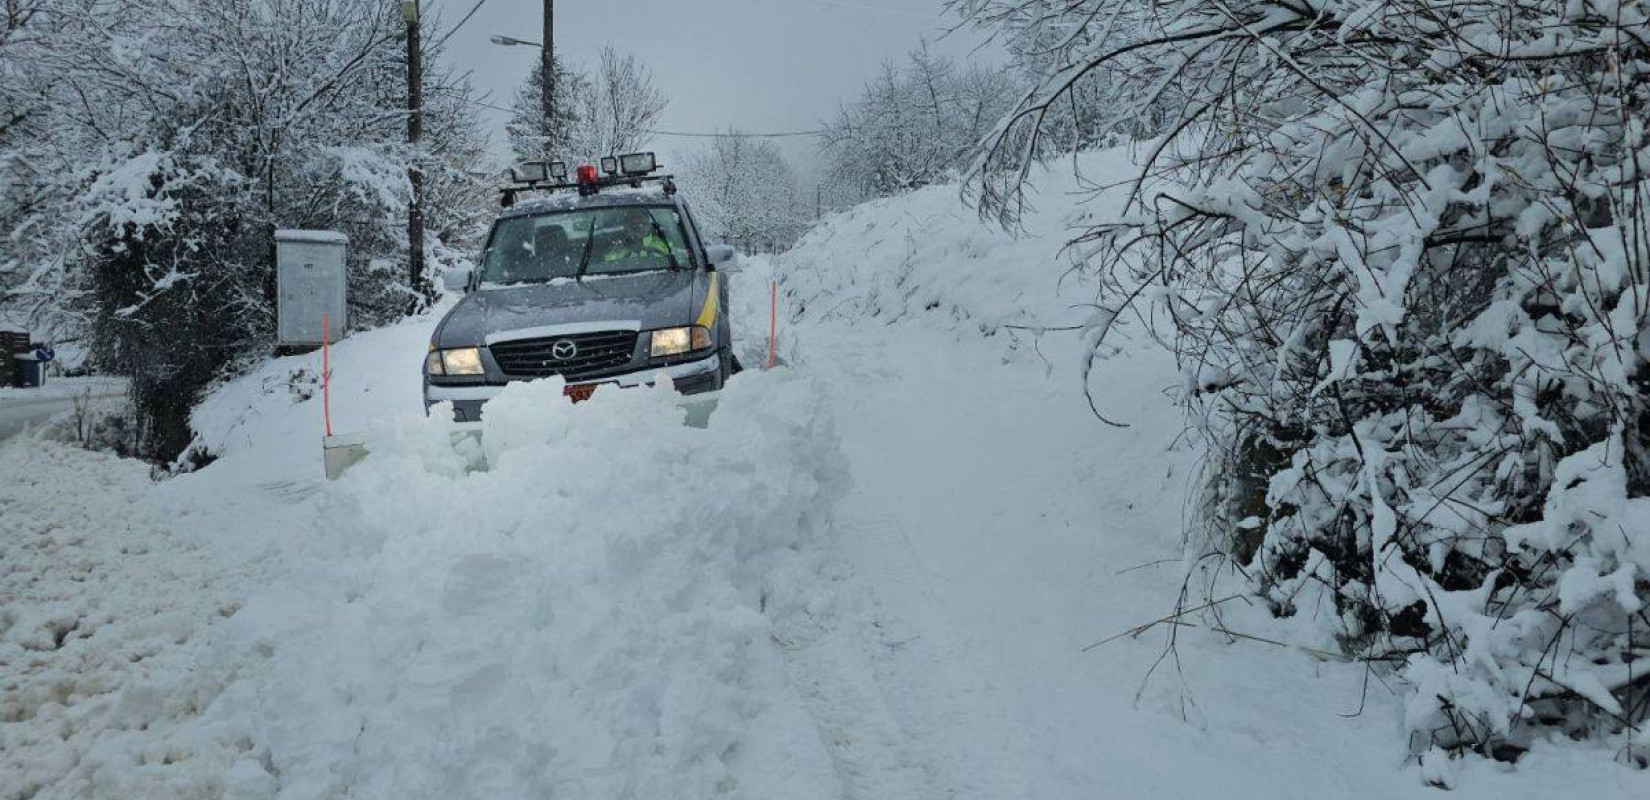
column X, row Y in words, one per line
column 707, row 317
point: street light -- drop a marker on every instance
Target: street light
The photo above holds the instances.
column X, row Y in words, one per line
column 508, row 41
column 547, row 63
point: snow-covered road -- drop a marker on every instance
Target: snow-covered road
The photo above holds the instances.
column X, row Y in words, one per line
column 248, row 632
column 18, row 411
column 876, row 575
column 16, row 414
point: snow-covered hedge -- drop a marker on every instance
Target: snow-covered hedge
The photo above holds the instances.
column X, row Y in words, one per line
column 1403, row 245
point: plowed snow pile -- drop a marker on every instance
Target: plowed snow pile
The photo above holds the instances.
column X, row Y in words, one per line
column 574, row 608
column 582, row 619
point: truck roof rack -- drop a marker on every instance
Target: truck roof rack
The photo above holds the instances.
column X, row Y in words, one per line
column 634, row 170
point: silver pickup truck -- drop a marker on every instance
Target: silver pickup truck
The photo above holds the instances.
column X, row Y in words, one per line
column 602, row 282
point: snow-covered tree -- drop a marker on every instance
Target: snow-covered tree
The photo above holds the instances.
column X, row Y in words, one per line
column 1401, row 249
column 165, row 142
column 744, row 192
column 914, row 125
column 1040, row 43
column 607, row 112
column 531, row 138
column 622, row 106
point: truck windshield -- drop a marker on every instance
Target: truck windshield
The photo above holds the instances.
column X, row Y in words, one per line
column 573, row 244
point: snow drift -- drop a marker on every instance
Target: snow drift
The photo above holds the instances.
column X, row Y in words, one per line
column 584, row 618
column 575, row 606
column 927, row 257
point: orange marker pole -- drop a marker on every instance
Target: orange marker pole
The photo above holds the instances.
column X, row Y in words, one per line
column 773, row 320
column 326, row 372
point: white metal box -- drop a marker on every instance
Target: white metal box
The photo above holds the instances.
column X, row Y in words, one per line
column 311, row 286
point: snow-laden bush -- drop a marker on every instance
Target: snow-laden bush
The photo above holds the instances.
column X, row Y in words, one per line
column 1404, row 250
column 151, row 148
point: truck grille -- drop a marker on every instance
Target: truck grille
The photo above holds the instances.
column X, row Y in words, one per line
column 597, row 353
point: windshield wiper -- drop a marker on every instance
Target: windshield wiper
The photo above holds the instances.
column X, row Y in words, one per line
column 589, row 244
column 670, row 252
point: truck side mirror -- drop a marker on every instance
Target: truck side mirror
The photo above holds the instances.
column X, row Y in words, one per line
column 719, row 254
column 457, row 280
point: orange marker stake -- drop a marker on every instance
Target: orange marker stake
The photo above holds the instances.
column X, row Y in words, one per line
column 773, row 320
column 326, row 372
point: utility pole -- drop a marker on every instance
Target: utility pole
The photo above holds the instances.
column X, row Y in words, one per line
column 415, row 132
column 547, row 63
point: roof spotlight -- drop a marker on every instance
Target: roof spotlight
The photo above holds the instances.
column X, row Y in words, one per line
column 610, row 165
column 558, row 171
column 529, row 172
column 638, row 163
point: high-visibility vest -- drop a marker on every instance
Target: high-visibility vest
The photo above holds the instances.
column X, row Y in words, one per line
column 650, row 243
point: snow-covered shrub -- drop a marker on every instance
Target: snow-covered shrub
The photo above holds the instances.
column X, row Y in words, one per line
column 157, row 145
column 98, row 423
column 1403, row 248
column 1041, row 40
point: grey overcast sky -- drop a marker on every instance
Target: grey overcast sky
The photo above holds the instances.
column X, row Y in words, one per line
column 759, row 65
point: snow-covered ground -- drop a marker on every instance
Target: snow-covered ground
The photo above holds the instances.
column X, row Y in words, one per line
column 875, row 574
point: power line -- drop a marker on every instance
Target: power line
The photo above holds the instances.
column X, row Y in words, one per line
column 683, row 134
column 737, row 134
column 461, row 23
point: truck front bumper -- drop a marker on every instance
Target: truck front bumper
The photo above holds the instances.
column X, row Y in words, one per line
column 694, row 377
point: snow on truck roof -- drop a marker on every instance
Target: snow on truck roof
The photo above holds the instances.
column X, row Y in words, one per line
column 608, row 198
column 631, row 179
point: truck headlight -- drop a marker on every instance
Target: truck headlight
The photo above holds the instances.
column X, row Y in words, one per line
column 463, row 361
column 676, row 341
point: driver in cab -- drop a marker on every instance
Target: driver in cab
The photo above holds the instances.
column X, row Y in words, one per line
column 639, row 241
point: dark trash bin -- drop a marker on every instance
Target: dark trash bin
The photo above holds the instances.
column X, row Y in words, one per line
column 30, row 372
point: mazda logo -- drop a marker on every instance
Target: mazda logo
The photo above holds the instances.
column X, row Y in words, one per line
column 564, row 350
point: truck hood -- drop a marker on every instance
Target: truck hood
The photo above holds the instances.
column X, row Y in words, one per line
column 652, row 300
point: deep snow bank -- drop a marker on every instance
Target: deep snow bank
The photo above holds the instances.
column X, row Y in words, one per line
column 268, row 423
column 577, row 607
column 926, row 256
column 582, row 619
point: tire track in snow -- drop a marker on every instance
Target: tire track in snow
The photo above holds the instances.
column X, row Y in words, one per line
column 872, row 757
column 872, row 753
column 886, row 680
column 912, row 654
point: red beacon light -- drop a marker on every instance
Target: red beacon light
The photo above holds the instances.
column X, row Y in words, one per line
column 589, row 182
